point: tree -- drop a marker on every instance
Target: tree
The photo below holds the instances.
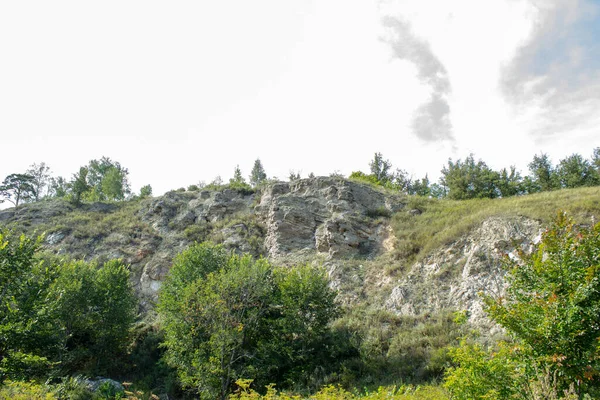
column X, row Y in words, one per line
column 60, row 317
column 95, row 308
column 575, row 171
column 550, row 309
column 145, row 191
column 17, row 188
column 112, row 184
column 596, row 159
column 510, row 183
column 25, row 340
column 79, row 185
column 294, row 175
column 469, row 179
column 99, row 170
column 553, row 301
column 59, row 187
column 228, row 317
column 41, row 178
column 380, row 168
column 420, row 187
column 257, row 175
column 237, row 179
column 543, row 173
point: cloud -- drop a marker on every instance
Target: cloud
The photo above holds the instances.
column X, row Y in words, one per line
column 431, row 121
column 557, row 71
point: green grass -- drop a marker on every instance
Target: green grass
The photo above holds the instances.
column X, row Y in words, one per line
column 444, row 221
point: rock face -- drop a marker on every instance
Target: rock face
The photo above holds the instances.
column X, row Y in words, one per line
column 329, row 216
column 293, row 221
column 452, row 277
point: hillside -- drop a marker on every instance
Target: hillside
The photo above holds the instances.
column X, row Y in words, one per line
column 405, row 254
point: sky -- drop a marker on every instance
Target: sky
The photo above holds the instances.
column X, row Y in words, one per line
column 182, row 92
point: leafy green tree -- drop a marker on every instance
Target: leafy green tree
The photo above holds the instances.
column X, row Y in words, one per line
column 70, row 317
column 17, row 188
column 469, row 179
column 79, row 185
column 58, row 187
column 543, row 175
column 510, row 183
column 145, row 191
column 26, row 335
column 596, row 158
column 112, row 184
column 95, row 308
column 228, row 317
column 553, row 301
column 41, row 178
column 420, row 187
column 550, row 309
column 438, row 191
column 380, row 168
column 575, row 171
column 99, row 170
column 257, row 175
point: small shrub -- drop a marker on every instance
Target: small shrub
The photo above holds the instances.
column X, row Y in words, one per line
column 25, row 391
column 378, row 212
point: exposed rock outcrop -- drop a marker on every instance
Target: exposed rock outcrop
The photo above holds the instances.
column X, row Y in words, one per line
column 454, row 275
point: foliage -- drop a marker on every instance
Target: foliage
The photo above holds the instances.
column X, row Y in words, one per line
column 18, row 188
column 145, row 191
column 257, row 175
column 69, row 317
column 109, row 175
column 442, row 221
column 79, row 185
column 41, row 178
column 294, row 175
column 553, row 301
column 543, row 175
column 25, row 391
column 479, row 374
column 58, row 187
column 24, row 319
column 330, row 392
column 397, row 348
column 550, row 309
column 380, row 168
column 469, row 179
column 227, row 317
column 112, row 184
column 95, row 307
column 237, row 179
column 575, row 171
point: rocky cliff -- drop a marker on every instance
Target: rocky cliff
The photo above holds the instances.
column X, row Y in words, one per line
column 338, row 223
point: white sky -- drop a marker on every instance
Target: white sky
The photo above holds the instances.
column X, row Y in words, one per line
column 180, row 92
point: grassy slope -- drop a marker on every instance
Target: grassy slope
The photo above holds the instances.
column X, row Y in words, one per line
column 443, row 221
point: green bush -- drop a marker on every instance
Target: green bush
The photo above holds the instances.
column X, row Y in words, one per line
column 227, row 317
column 550, row 309
column 25, row 391
column 68, row 317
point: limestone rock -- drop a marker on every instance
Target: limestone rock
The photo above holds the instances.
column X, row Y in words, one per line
column 452, row 277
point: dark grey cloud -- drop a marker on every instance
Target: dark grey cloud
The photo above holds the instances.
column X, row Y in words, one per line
column 558, row 69
column 431, row 121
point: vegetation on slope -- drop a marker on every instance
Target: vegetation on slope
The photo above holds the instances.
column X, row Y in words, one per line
column 436, row 222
